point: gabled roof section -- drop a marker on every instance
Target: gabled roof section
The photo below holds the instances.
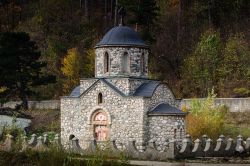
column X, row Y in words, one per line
column 75, row 92
column 166, row 109
column 110, row 85
column 146, row 89
column 113, row 87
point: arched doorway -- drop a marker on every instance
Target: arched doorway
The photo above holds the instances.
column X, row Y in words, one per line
column 100, row 125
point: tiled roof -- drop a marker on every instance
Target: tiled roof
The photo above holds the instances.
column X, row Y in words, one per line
column 75, row 92
column 166, row 109
column 146, row 89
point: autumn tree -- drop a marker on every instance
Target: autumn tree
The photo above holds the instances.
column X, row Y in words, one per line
column 89, row 63
column 200, row 70
column 71, row 69
column 235, row 67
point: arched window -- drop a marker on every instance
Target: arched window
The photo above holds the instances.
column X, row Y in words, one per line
column 125, row 63
column 142, row 63
column 100, row 98
column 100, row 122
column 106, row 62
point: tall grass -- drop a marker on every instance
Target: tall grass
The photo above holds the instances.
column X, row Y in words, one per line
column 56, row 157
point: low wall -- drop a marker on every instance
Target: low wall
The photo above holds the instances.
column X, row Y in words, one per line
column 45, row 104
column 186, row 148
column 234, row 104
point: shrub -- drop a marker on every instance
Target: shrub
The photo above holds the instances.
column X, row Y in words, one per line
column 205, row 117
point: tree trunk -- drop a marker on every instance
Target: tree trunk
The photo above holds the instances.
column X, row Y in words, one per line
column 86, row 7
column 24, row 99
column 116, row 8
column 179, row 20
column 23, row 95
column 105, row 16
column 80, row 4
column 209, row 12
column 111, row 9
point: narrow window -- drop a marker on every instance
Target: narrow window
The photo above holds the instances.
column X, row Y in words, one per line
column 181, row 134
column 100, row 99
column 142, row 63
column 125, row 63
column 106, row 62
column 175, row 133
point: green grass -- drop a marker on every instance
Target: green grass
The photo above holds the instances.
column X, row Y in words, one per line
column 237, row 123
column 44, row 121
column 233, row 131
column 56, row 157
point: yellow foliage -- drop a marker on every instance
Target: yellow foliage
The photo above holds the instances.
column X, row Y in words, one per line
column 2, row 89
column 71, row 66
column 89, row 63
column 205, row 118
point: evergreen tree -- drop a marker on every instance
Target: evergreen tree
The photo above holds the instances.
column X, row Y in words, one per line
column 143, row 14
column 20, row 68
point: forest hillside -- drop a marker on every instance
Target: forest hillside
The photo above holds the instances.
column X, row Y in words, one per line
column 196, row 45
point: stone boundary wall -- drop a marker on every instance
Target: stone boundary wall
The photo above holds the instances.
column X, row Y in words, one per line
column 173, row 149
column 44, row 104
column 234, row 104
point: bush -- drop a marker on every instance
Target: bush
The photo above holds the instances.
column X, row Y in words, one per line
column 206, row 118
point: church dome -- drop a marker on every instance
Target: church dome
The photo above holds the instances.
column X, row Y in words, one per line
column 121, row 36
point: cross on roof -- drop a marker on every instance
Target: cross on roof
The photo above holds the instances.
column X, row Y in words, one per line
column 121, row 13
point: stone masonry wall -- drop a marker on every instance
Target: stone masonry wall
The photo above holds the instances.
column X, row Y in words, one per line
column 85, row 84
column 127, row 85
column 121, row 83
column 165, row 128
column 134, row 84
column 125, row 116
column 162, row 94
column 116, row 54
column 69, row 107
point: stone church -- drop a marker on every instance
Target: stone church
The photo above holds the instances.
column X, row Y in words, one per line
column 121, row 103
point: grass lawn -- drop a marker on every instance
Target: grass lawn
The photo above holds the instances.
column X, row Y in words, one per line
column 44, row 121
column 237, row 123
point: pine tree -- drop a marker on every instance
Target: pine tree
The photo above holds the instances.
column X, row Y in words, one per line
column 20, row 67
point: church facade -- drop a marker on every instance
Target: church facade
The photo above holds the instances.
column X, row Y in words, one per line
column 121, row 103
